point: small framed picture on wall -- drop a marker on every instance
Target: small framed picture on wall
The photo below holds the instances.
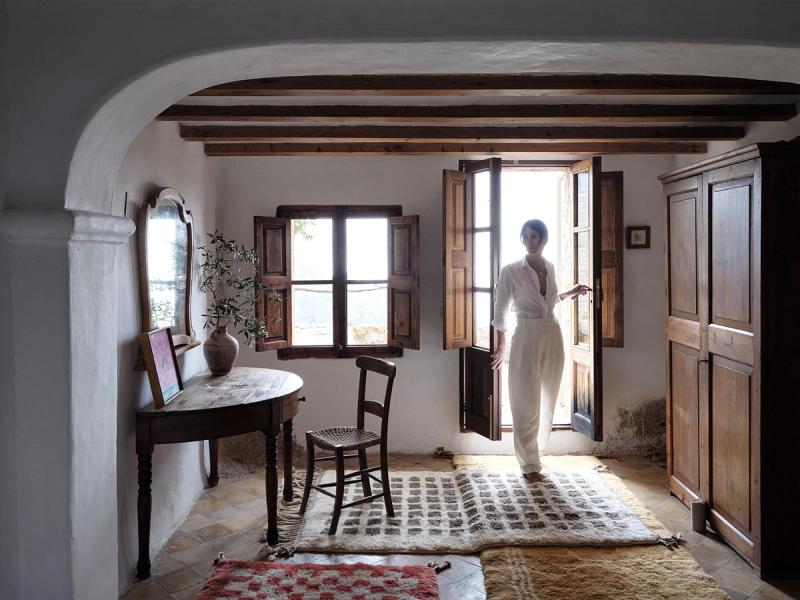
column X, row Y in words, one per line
column 162, row 365
column 637, row 236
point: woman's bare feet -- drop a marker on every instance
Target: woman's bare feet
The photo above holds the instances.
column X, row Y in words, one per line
column 533, row 477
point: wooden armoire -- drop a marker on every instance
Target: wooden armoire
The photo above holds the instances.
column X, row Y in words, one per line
column 733, row 347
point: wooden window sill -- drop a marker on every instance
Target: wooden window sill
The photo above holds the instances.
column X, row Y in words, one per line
column 352, row 352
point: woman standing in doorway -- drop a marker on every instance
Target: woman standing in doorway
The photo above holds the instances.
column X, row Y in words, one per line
column 536, row 359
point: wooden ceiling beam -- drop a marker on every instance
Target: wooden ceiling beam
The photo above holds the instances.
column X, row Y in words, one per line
column 481, row 113
column 437, row 149
column 497, row 85
column 446, row 134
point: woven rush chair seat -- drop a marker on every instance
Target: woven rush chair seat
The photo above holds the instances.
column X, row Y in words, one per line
column 349, row 438
column 355, row 439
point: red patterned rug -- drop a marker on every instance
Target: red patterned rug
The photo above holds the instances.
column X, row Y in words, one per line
column 261, row 581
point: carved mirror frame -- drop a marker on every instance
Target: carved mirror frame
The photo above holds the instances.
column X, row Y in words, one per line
column 183, row 339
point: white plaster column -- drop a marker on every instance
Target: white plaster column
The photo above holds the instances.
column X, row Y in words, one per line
column 62, row 305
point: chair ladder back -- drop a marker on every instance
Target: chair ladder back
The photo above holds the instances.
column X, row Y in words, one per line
column 386, row 401
column 382, row 367
column 362, row 389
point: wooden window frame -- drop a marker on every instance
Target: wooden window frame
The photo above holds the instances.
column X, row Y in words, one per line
column 339, row 214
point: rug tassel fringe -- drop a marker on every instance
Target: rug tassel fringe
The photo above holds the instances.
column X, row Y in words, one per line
column 671, row 542
column 289, row 521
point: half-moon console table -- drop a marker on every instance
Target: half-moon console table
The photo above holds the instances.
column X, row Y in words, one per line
column 210, row 407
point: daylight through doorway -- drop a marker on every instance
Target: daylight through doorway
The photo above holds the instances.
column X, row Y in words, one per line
column 536, row 193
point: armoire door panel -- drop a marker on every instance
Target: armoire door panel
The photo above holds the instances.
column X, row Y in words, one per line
column 684, row 415
column 731, row 442
column 731, row 227
column 731, row 343
column 683, row 254
column 684, row 331
column 731, row 534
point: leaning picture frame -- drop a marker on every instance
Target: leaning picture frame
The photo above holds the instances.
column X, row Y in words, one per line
column 161, row 362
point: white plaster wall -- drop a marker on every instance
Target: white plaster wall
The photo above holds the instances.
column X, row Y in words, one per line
column 8, row 427
column 157, row 158
column 756, row 133
column 425, row 401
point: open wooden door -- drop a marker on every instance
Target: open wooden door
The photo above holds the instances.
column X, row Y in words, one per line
column 586, row 357
column 471, row 260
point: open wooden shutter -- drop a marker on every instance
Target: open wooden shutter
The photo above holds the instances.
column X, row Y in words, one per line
column 273, row 246
column 586, row 361
column 403, row 318
column 611, row 243
column 480, row 400
column 457, row 239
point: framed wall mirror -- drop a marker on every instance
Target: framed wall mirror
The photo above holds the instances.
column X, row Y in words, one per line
column 165, row 267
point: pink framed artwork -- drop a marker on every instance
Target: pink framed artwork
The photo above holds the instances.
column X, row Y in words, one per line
column 162, row 365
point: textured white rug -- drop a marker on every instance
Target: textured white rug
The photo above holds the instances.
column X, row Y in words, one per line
column 466, row 510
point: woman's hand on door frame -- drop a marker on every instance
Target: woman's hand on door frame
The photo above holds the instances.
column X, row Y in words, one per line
column 575, row 290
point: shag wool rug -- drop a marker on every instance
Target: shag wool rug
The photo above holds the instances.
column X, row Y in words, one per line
column 546, row 573
column 261, row 581
column 644, row 573
column 470, row 509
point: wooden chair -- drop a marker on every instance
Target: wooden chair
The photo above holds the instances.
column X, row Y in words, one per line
column 346, row 439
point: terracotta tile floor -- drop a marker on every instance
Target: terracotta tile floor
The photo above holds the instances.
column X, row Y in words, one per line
column 230, row 517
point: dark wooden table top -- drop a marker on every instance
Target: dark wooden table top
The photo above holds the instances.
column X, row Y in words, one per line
column 242, row 386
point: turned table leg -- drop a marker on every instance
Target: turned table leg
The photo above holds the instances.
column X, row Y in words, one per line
column 288, row 486
column 144, row 507
column 271, row 438
column 213, row 458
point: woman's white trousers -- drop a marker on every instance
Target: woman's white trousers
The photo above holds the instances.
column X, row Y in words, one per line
column 535, row 364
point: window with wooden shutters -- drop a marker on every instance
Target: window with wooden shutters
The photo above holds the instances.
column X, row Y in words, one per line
column 352, row 285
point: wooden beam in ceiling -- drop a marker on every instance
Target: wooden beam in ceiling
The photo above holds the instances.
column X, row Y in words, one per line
column 496, row 85
column 445, row 134
column 463, row 150
column 481, row 113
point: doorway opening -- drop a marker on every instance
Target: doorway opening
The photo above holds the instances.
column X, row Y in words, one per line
column 537, row 193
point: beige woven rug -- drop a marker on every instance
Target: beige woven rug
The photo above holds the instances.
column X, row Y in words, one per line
column 599, row 573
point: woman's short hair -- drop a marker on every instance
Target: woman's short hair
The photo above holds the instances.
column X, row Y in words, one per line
column 537, row 225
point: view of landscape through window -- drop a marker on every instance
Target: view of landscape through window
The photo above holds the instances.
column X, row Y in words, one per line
column 366, row 264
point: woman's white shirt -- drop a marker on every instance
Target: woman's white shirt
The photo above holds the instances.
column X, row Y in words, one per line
column 518, row 286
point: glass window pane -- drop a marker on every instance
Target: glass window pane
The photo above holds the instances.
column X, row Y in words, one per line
column 481, row 197
column 482, row 259
column 582, row 256
column 312, row 315
column 367, row 249
column 482, row 305
column 366, row 314
column 312, row 249
column 582, row 199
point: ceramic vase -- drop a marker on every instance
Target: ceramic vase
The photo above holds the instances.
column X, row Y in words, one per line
column 220, row 350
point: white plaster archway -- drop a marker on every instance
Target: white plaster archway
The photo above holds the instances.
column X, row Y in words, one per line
column 89, row 568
